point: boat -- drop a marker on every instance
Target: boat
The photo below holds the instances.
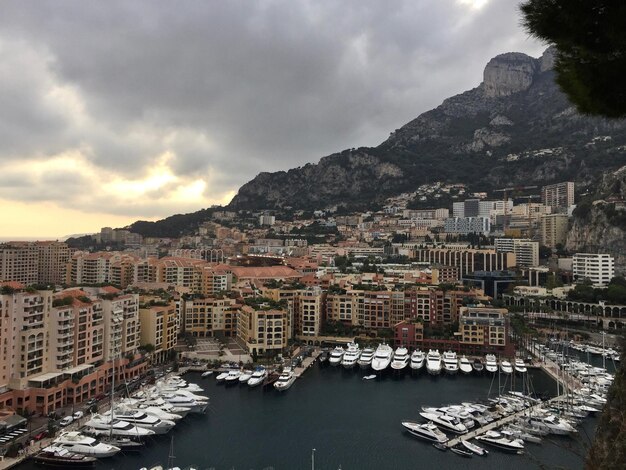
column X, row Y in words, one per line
column 141, row 419
column 100, row 425
column 180, row 383
column 520, row 366
column 462, row 451
column 417, row 360
column 449, row 423
column 184, row 401
column 221, row 376
column 478, row 365
column 324, row 356
column 382, row 357
column 286, row 380
column 400, row 358
column 160, row 403
column 336, row 355
column 233, row 377
column 450, row 362
column 79, row 443
column 351, row 356
column 206, row 373
column 369, row 377
column 427, row 431
column 465, row 365
column 257, row 377
column 55, row 456
column 491, row 364
column 245, row 376
column 433, row 362
column 156, row 411
column 506, row 367
column 474, row 448
column 497, row 440
column 124, row 443
column 365, row 360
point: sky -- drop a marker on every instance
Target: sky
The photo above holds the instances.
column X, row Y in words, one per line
column 117, row 111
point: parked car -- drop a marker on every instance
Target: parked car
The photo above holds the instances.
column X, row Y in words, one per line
column 41, row 435
column 91, row 401
column 66, row 421
column 78, row 415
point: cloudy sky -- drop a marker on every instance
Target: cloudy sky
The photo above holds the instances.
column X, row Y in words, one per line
column 123, row 110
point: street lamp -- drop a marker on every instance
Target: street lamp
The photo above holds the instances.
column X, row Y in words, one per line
column 313, row 459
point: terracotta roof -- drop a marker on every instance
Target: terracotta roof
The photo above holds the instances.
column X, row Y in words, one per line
column 12, row 284
column 263, row 272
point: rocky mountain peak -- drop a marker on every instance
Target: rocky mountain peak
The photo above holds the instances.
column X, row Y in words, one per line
column 509, row 73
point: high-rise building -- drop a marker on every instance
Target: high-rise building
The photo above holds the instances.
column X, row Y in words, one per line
column 467, row 225
column 263, row 330
column 158, row 328
column 52, row 261
column 307, row 312
column 484, row 329
column 554, row 229
column 526, row 251
column 19, row 262
column 558, row 196
column 598, row 268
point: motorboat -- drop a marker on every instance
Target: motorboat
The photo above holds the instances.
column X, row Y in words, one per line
column 336, row 355
column 180, row 383
column 474, row 447
column 497, row 440
column 221, row 376
column 450, row 362
column 324, row 356
column 257, row 377
column 351, row 356
column 369, row 377
column 285, row 380
column 449, row 423
column 478, row 365
column 55, row 456
column 81, row 444
column 465, row 365
column 233, row 377
column 142, row 419
column 365, row 360
column 124, row 443
column 157, row 411
column 100, row 425
column 417, row 360
column 433, row 362
column 552, row 423
column 160, row 403
column 491, row 364
column 382, row 357
column 400, row 358
column 462, row 451
column 427, row 431
column 506, row 367
column 520, row 366
column 184, row 402
column 454, row 411
column 184, row 394
column 245, row 376
column 205, row 374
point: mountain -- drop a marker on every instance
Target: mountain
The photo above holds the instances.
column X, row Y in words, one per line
column 515, row 128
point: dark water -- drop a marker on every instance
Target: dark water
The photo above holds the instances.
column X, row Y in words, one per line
column 350, row 422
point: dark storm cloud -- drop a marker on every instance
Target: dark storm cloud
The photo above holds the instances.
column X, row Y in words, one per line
column 233, row 88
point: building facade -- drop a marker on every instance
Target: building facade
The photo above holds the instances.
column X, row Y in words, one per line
column 598, row 268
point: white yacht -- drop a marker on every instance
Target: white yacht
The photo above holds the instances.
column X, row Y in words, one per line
column 552, row 423
column 85, row 445
column 336, row 356
column 465, row 365
column 491, row 364
column 233, row 377
column 351, row 355
column 104, row 425
column 520, row 367
column 433, row 362
column 400, row 358
column 221, row 376
column 449, row 423
column 257, row 377
column 365, row 360
column 179, row 382
column 160, row 403
column 450, row 362
column 497, row 440
column 142, row 419
column 427, row 431
column 382, row 357
column 245, row 376
column 473, row 447
column 184, row 402
column 286, row 380
column 506, row 367
column 417, row 360
column 157, row 411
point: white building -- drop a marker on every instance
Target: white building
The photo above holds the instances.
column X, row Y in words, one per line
column 466, row 225
column 598, row 268
column 265, row 219
column 526, row 251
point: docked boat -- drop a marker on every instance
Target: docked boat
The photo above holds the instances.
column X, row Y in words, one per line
column 433, row 362
column 462, row 451
column 491, row 364
column 142, row 419
column 506, row 367
column 400, row 358
column 478, row 365
column 382, row 357
column 474, row 447
column 427, row 431
column 552, row 423
column 221, row 376
column 183, row 401
column 100, row 425
column 365, row 360
column 245, row 376
column 520, row 366
column 258, row 377
column 336, row 355
column 81, row 444
column 55, row 456
column 160, row 403
column 182, row 384
column 206, row 373
column 285, row 380
column 351, row 356
column 159, row 412
column 497, row 440
column 324, row 356
column 450, row 362
column 465, row 365
column 418, row 358
column 233, row 377
column 448, row 423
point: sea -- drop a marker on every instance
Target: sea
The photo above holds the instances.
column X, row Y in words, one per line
column 333, row 419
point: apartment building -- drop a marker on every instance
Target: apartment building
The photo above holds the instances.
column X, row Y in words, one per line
column 467, row 225
column 484, row 330
column 342, row 308
column 19, row 262
column 210, row 316
column 308, row 307
column 159, row 329
column 467, row 260
column 558, row 196
column 526, row 251
column 52, row 261
column 598, row 268
column 264, row 331
column 89, row 268
column 554, row 229
column 121, row 325
column 214, row 281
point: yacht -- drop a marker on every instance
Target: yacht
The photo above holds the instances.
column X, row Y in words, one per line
column 257, row 377
column 157, row 411
column 85, row 445
column 142, row 419
column 160, row 403
column 221, row 376
column 491, row 364
column 400, row 358
column 233, row 377
column 473, row 447
column 553, row 424
column 103, row 425
column 433, row 362
column 382, row 358
column 245, row 376
column 478, row 365
column 286, row 380
column 351, row 355
column 336, row 356
column 427, row 431
column 179, row 382
column 55, row 456
column 506, row 367
column 450, row 362
column 520, row 367
column 465, row 365
column 417, row 360
column 365, row 360
column 449, row 423
column 206, row 373
column 499, row 441
column 184, row 402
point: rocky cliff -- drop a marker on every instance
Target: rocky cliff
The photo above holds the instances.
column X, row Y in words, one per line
column 516, row 127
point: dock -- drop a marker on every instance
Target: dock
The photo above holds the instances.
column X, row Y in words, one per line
column 307, row 362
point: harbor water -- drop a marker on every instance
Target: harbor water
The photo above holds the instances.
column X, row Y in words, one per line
column 352, row 423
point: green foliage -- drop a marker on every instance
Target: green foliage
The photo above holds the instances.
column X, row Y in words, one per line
column 265, row 303
column 7, row 290
column 67, row 300
column 615, row 293
column 173, row 226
